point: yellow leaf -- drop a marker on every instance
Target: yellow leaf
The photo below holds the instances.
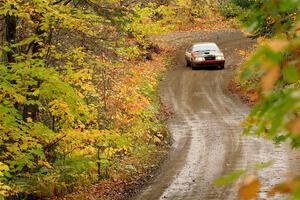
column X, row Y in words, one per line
column 3, row 167
column 29, row 119
column 242, row 52
column 45, row 164
column 249, row 188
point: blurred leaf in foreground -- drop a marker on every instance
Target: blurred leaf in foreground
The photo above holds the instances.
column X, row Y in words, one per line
column 285, row 188
column 249, row 188
column 229, row 178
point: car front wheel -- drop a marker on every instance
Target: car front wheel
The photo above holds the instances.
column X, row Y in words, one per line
column 188, row 64
column 193, row 66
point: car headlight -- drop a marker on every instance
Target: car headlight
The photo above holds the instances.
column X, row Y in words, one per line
column 199, row 59
column 220, row 58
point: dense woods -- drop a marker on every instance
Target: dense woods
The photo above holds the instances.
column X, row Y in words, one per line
column 78, row 101
column 78, row 83
column 74, row 100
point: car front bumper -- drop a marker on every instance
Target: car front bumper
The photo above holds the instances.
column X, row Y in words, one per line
column 209, row 63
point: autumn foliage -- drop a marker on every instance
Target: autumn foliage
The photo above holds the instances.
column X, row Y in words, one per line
column 78, row 102
column 271, row 74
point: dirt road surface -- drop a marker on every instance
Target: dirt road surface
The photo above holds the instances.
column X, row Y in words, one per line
column 206, row 130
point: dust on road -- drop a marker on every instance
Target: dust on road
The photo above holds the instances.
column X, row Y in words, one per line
column 206, row 130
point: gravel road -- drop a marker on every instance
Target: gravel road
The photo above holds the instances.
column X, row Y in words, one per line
column 205, row 128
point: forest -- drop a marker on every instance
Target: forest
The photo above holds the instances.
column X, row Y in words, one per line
column 79, row 78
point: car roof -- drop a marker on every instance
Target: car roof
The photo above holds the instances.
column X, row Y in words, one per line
column 205, row 43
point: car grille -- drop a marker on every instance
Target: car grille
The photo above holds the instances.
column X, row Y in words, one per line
column 210, row 58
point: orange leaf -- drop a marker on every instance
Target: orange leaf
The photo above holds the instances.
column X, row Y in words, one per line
column 298, row 32
column 249, row 188
column 270, row 78
column 284, row 188
column 294, row 126
column 254, row 96
column 278, row 45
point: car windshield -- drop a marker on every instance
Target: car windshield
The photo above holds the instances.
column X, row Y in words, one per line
column 205, row 47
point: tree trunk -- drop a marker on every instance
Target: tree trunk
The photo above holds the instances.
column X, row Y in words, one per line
column 32, row 110
column 10, row 37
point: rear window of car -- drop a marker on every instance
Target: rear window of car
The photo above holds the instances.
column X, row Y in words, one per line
column 205, row 47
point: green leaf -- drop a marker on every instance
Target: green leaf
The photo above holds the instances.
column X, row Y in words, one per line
column 229, row 178
column 263, row 165
column 291, row 74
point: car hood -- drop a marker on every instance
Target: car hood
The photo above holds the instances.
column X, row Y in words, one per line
column 209, row 53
